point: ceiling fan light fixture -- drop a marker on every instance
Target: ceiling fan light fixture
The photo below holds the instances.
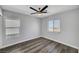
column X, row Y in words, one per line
column 39, row 14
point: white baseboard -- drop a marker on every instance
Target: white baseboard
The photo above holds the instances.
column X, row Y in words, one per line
column 62, row 43
column 3, row 46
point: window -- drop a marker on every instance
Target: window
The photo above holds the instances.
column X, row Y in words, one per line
column 12, row 26
column 54, row 25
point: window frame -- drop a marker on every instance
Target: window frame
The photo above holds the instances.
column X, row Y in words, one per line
column 54, row 24
column 13, row 27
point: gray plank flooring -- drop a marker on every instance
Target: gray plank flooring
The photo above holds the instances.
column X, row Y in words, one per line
column 39, row 45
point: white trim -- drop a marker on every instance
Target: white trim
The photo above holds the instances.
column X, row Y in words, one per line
column 62, row 43
column 3, row 46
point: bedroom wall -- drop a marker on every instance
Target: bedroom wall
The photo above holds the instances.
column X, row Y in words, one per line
column 0, row 30
column 30, row 28
column 69, row 34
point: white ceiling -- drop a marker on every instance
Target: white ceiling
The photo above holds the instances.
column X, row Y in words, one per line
column 52, row 9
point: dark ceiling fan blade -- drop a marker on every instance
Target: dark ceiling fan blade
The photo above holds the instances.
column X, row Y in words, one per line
column 43, row 8
column 33, row 9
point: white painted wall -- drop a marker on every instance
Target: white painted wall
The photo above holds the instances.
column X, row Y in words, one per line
column 0, row 30
column 69, row 34
column 0, row 27
column 30, row 28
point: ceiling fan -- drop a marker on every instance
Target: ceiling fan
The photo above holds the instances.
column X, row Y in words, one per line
column 40, row 11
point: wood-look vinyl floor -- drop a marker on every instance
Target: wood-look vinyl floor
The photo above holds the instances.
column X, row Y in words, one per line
column 39, row 45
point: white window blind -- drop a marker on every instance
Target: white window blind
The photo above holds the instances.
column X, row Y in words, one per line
column 12, row 26
column 12, row 23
